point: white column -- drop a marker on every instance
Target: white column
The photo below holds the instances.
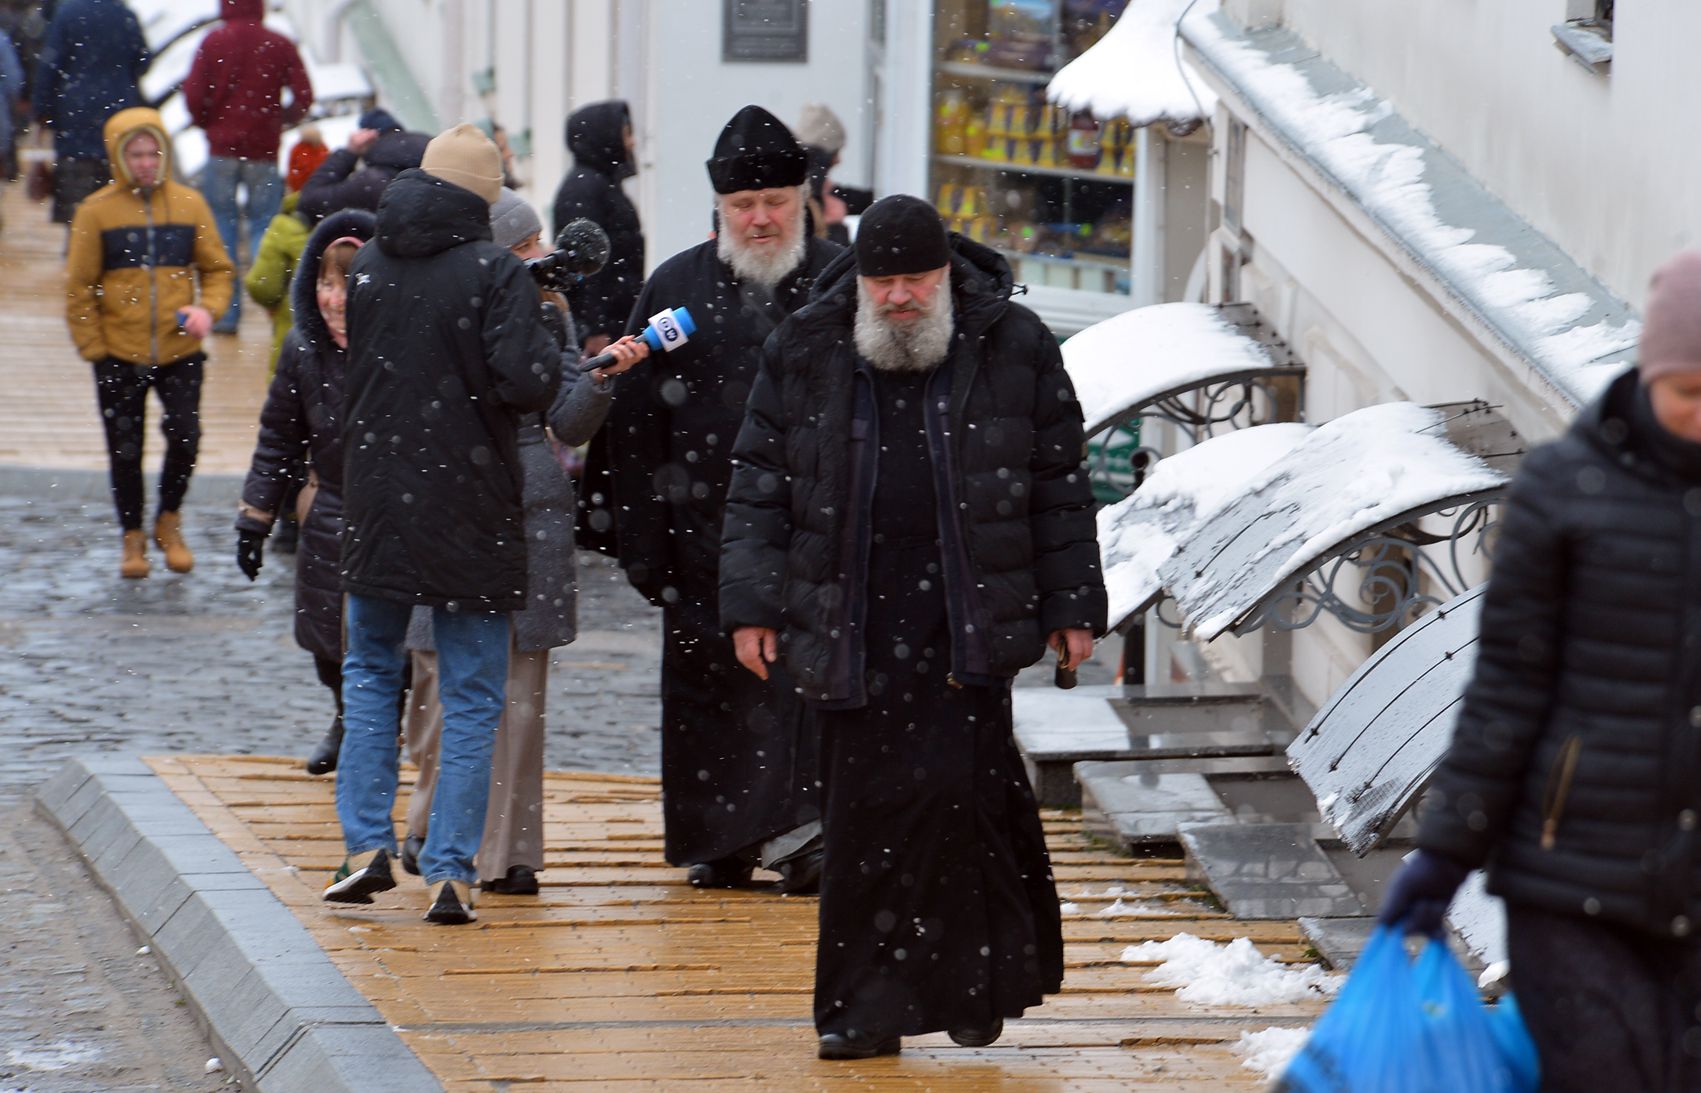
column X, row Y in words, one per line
column 906, row 106
column 1149, row 161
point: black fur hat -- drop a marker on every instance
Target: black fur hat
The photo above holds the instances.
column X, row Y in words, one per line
column 755, row 152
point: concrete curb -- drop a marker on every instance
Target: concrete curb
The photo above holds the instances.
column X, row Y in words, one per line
column 278, row 1011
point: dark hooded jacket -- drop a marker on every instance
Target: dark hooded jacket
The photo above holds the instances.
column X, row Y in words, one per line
column 447, row 350
column 1019, row 547
column 234, row 89
column 595, row 135
column 1575, row 767
column 301, row 426
column 88, row 71
column 348, row 181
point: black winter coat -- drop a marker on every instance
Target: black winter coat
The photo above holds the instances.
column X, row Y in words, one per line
column 595, row 135
column 348, row 181
column 1575, row 768
column 446, row 351
column 1019, row 546
column 301, row 424
column 675, row 418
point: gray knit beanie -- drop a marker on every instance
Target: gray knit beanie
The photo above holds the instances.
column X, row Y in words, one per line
column 512, row 219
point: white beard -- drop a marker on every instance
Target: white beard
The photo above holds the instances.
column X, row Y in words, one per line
column 915, row 346
column 766, row 265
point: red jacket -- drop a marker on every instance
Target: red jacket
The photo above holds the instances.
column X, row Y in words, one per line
column 234, row 87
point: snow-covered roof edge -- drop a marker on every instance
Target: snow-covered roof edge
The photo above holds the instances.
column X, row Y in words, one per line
column 1486, row 265
column 1134, row 72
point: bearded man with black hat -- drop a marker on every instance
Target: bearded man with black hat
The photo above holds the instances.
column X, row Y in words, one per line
column 738, row 768
column 910, row 523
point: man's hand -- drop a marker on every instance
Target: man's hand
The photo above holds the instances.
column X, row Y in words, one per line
column 757, row 647
column 628, row 351
column 197, row 322
column 250, row 546
column 1073, row 646
column 1418, row 896
column 361, row 141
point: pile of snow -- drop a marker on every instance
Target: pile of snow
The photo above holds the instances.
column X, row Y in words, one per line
column 1268, row 1052
column 1135, row 72
column 1132, row 358
column 1232, row 974
column 1119, row 909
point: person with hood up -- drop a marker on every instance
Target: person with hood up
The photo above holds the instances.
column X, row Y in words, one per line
column 137, row 248
column 301, row 429
column 234, row 92
column 738, row 770
column 510, row 856
column 602, row 142
column 910, row 522
column 354, row 176
column 447, row 350
column 1574, row 775
column 90, row 64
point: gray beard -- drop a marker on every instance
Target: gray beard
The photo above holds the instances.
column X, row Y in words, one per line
column 916, row 346
column 764, row 266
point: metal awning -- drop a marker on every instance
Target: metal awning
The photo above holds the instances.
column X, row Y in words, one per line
column 1140, row 361
column 1370, row 751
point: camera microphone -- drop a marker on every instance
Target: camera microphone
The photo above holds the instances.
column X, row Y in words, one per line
column 581, row 250
column 668, row 330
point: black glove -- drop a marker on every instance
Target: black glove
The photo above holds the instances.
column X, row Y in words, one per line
column 250, row 545
column 1418, row 895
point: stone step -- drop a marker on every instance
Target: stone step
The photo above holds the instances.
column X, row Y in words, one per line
column 1134, row 803
column 1273, row 870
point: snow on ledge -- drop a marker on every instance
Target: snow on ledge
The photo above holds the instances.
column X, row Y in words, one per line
column 1133, row 73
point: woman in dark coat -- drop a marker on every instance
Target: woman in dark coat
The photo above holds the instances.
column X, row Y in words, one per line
column 1574, row 775
column 300, row 428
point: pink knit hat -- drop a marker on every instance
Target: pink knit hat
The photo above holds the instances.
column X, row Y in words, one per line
column 1671, row 324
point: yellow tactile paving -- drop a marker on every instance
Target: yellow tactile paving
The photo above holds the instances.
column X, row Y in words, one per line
column 619, row 976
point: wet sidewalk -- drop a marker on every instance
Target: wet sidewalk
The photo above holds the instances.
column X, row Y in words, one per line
column 618, row 976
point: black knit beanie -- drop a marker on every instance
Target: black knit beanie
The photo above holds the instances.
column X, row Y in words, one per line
column 755, row 152
column 900, row 234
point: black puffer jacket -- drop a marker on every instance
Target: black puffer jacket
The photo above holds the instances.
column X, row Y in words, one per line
column 596, row 137
column 1575, row 769
column 446, row 351
column 301, row 423
column 348, row 181
column 1019, row 545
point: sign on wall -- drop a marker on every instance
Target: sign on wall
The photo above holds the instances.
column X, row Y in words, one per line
column 765, row 30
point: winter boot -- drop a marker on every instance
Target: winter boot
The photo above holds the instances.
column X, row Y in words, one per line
column 168, row 533
column 324, row 757
column 135, row 563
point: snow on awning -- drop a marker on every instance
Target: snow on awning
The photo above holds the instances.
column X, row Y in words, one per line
column 1370, row 751
column 1126, row 363
column 1234, row 526
column 1134, row 72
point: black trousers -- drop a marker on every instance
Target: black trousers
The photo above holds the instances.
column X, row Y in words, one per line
column 1609, row 1007
column 331, row 675
column 122, row 390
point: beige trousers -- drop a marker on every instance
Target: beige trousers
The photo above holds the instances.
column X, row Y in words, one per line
column 513, row 823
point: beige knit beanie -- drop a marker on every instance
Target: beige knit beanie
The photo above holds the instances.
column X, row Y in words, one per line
column 466, row 157
column 1671, row 324
column 819, row 127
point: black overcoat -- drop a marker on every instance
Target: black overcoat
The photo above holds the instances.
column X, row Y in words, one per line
column 595, row 135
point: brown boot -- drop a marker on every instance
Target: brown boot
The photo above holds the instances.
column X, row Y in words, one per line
column 168, row 533
column 135, row 563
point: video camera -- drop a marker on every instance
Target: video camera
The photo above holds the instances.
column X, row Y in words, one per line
column 581, row 250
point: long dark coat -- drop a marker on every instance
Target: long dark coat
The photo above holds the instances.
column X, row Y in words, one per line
column 596, row 136
column 1575, row 768
column 301, row 424
column 446, row 350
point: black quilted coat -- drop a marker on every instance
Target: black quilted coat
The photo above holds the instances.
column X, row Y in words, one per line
column 1575, row 769
column 1019, row 546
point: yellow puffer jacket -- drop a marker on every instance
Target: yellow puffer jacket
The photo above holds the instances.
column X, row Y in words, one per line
column 134, row 257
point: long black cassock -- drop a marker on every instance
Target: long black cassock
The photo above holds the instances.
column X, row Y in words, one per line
column 738, row 765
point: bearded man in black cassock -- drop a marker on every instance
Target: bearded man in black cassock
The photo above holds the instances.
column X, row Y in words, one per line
column 910, row 523
column 738, row 760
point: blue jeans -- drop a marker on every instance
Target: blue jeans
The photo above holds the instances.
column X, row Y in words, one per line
column 472, row 661
column 264, row 187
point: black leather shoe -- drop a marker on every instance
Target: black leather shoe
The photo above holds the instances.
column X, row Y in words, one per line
column 412, row 847
column 521, row 880
column 837, row 1045
column 977, row 1037
column 324, row 757
column 801, row 876
column 724, row 873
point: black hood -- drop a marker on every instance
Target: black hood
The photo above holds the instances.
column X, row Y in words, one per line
column 398, row 149
column 596, row 135
column 303, row 287
column 1620, row 422
column 981, row 284
column 421, row 215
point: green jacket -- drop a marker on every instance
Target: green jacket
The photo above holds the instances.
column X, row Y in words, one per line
column 268, row 279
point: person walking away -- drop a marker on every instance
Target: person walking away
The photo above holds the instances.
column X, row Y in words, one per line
column 910, row 521
column 304, row 157
column 446, row 351
column 738, row 766
column 354, row 177
column 510, row 855
column 271, row 275
column 1573, row 774
column 137, row 248
column 301, row 428
column 234, row 92
column 92, row 58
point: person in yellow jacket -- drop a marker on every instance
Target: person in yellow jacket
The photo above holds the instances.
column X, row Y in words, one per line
column 145, row 273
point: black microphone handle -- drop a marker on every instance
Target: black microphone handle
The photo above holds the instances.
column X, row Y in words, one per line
column 601, row 360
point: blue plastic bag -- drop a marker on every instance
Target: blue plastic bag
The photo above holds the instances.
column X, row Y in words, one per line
column 1404, row 1027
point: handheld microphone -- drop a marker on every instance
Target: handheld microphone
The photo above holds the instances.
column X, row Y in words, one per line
column 668, row 330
